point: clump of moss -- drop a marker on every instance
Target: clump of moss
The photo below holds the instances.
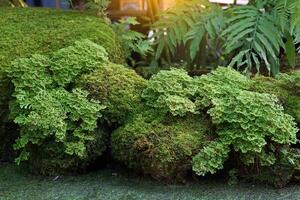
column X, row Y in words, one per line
column 162, row 147
column 43, row 31
column 58, row 123
column 116, row 87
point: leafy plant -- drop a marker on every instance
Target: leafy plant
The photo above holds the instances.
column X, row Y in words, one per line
column 258, row 32
column 190, row 31
column 47, row 107
column 286, row 87
column 255, row 134
column 170, row 91
column 249, row 37
column 70, row 62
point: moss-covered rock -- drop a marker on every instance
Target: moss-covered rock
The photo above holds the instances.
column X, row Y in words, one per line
column 161, row 147
column 43, row 31
column 116, row 87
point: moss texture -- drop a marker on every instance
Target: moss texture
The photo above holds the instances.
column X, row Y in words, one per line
column 160, row 147
column 116, row 87
column 42, row 31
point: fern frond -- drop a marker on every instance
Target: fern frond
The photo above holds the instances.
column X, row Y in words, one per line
column 210, row 24
column 186, row 24
column 252, row 33
column 295, row 20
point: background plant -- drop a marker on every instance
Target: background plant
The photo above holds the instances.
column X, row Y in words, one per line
column 189, row 31
column 258, row 33
column 250, row 38
column 132, row 42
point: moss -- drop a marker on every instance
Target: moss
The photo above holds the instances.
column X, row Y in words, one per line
column 116, row 87
column 42, row 31
column 160, row 147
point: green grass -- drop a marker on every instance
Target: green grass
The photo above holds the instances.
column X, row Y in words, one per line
column 104, row 184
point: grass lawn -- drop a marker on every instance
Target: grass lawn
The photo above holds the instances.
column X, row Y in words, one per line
column 107, row 185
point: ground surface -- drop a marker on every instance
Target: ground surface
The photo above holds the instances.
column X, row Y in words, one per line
column 107, row 185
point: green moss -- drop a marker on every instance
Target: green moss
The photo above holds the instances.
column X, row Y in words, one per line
column 116, row 87
column 161, row 147
column 28, row 31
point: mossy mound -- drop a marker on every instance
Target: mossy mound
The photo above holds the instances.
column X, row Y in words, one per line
column 160, row 147
column 42, row 31
column 116, row 87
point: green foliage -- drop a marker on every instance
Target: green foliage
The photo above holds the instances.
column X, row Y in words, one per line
column 43, row 31
column 254, row 133
column 191, row 25
column 286, row 87
column 169, row 91
column 251, row 124
column 251, row 38
column 256, row 33
column 48, row 113
column 160, row 147
column 131, row 41
column 99, row 6
column 83, row 57
column 116, row 87
column 211, row 158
